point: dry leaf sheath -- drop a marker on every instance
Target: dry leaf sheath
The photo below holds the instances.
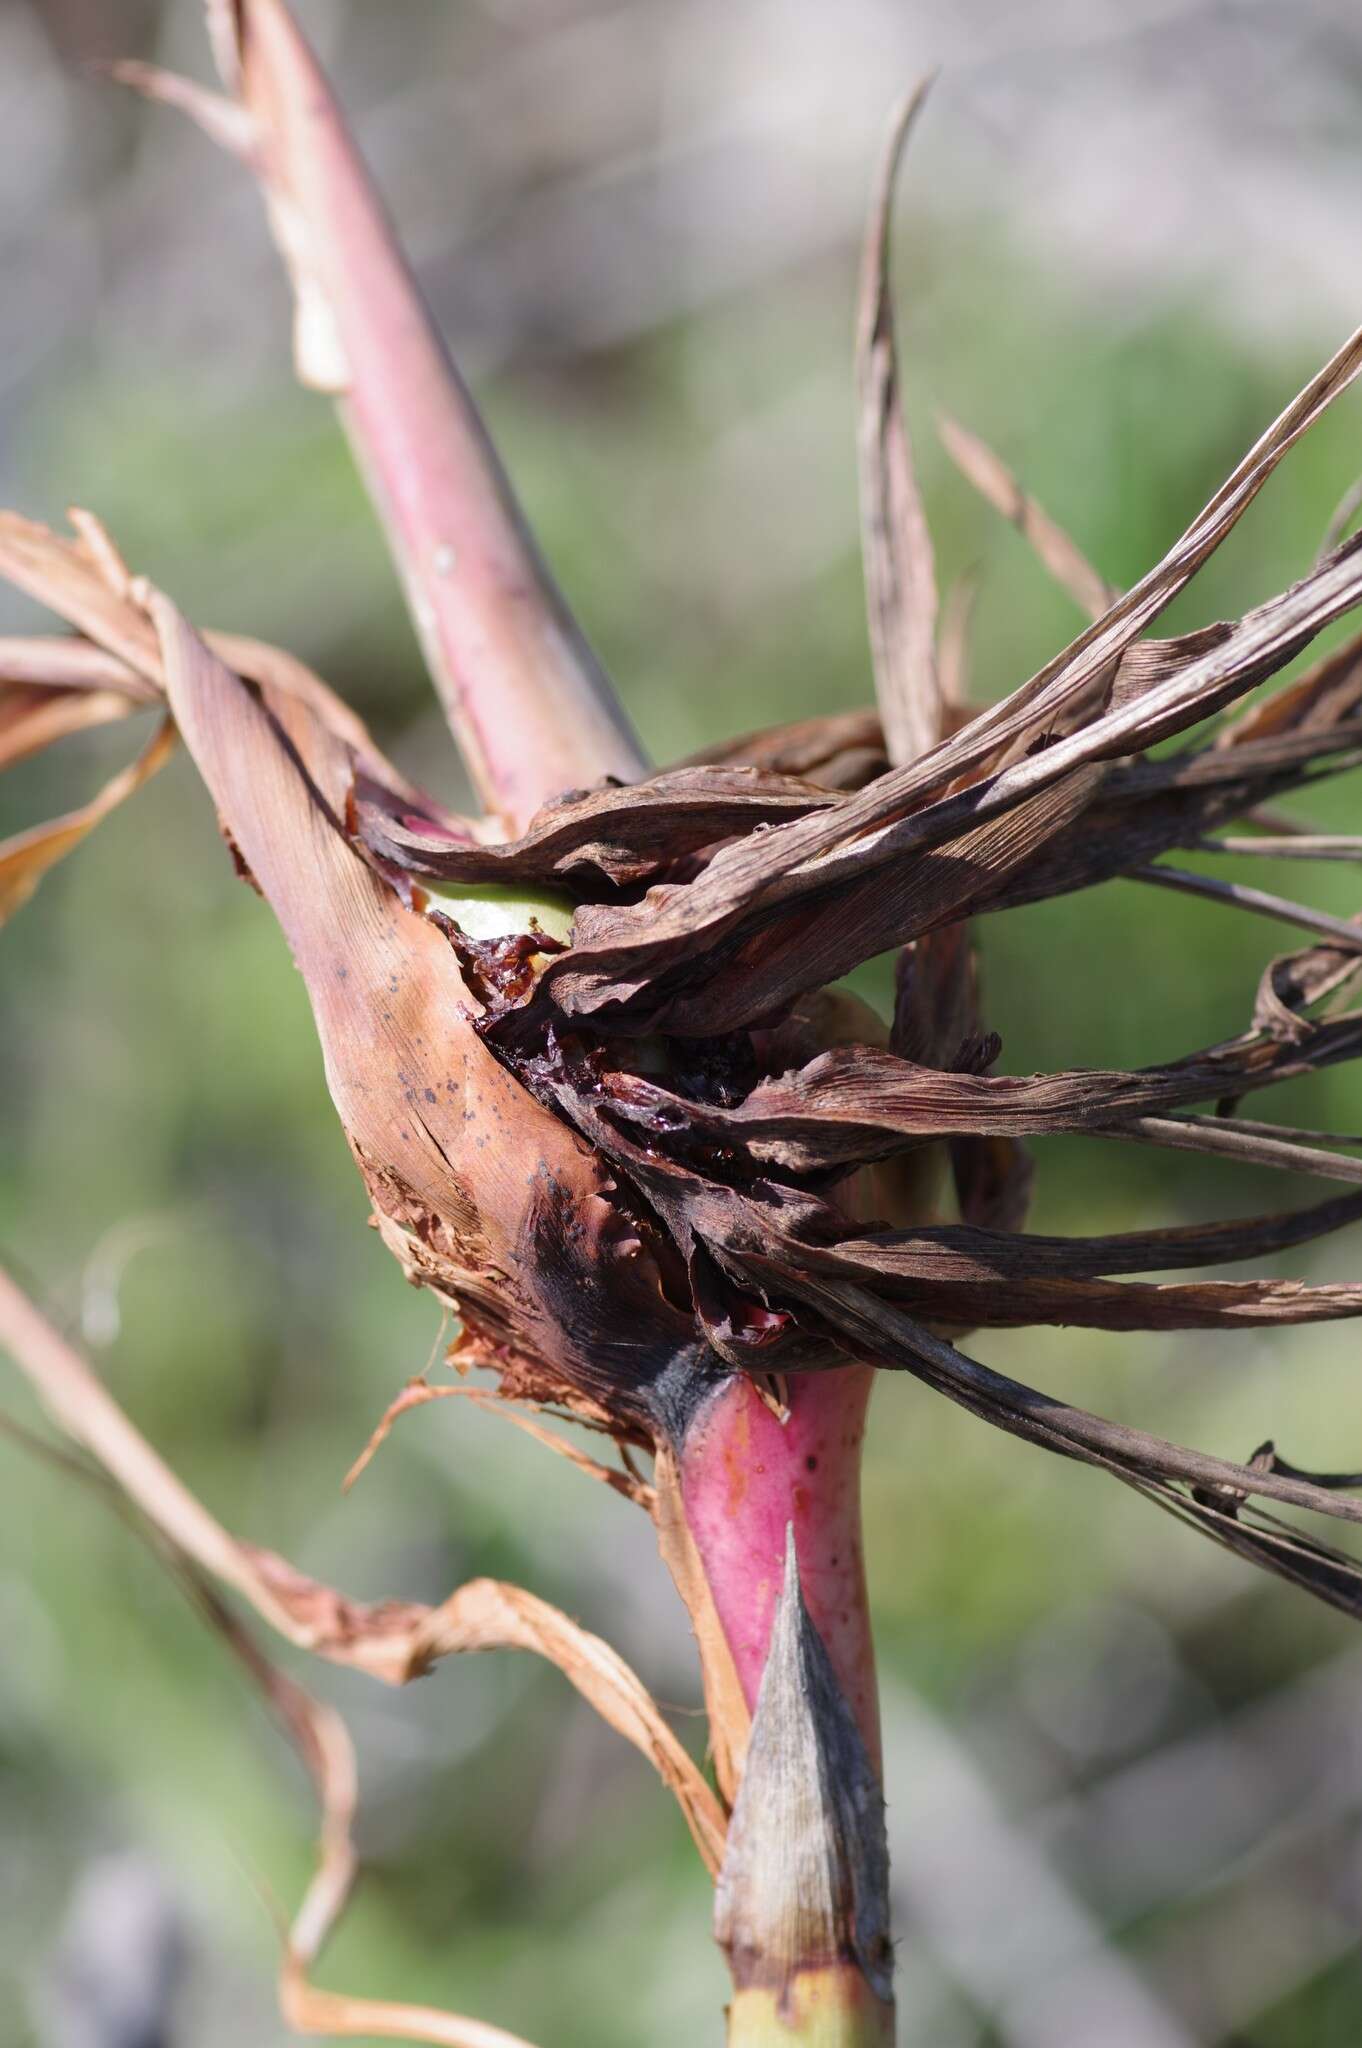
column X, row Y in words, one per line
column 610, row 1106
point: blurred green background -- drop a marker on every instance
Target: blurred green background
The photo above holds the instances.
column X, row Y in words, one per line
column 1125, row 1775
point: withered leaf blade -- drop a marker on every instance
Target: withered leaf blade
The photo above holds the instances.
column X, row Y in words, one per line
column 1315, row 702
column 945, row 1252
column 394, row 1640
column 1262, row 902
column 1272, row 1545
column 615, row 835
column 844, row 750
column 784, row 1239
column 27, row 856
column 66, row 685
column 895, row 1339
column 1248, row 1144
column 1053, row 547
column 856, row 1103
column 1071, row 675
column 1146, row 809
column 1294, row 983
column 1022, row 1300
column 1331, row 846
column 954, row 647
column 64, row 664
column 322, row 1742
column 51, row 688
column 117, row 650
column 896, row 547
column 66, row 576
column 937, row 1023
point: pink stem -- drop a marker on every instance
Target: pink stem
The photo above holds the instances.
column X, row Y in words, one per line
column 745, row 1475
column 527, row 700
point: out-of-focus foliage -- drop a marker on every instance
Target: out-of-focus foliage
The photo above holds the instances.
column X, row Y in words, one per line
column 1124, row 1776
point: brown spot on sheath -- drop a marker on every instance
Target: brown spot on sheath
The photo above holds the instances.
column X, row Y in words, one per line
column 735, row 1460
column 811, row 1463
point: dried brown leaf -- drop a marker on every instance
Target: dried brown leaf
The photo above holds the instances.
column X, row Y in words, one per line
column 34, row 716
column 323, row 1744
column 119, row 651
column 900, row 576
column 1248, row 1144
column 395, row 1640
column 842, row 751
column 1059, row 554
column 953, row 651
column 853, row 1104
column 619, row 835
column 972, row 1252
column 1262, row 902
column 765, row 963
column 418, row 1393
column 27, row 856
column 879, row 1330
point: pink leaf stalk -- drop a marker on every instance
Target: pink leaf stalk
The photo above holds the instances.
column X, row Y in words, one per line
column 746, row 1477
column 526, row 699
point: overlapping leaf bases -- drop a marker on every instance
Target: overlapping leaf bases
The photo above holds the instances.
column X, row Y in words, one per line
column 670, row 1149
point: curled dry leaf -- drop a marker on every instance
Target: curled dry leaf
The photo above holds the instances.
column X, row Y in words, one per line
column 395, row 1640
column 854, row 1104
column 609, row 835
column 51, row 688
column 842, row 751
column 418, row 1393
column 322, row 1742
column 26, row 857
column 35, row 714
column 1263, row 902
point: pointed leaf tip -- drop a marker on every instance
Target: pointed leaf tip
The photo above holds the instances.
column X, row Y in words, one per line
column 805, row 1878
column 900, row 572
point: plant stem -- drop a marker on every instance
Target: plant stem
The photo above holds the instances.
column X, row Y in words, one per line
column 830, row 2007
column 745, row 1477
column 772, row 1570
